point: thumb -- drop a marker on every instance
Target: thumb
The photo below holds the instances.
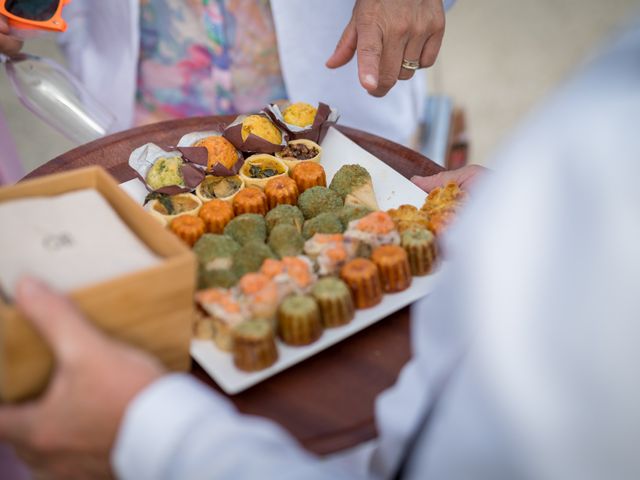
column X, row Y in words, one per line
column 346, row 47
column 54, row 316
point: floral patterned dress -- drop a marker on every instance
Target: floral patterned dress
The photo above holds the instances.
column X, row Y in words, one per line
column 206, row 57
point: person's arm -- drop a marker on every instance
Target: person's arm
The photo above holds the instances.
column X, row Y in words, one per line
column 177, row 428
column 107, row 396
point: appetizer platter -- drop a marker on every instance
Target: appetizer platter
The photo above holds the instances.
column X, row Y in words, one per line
column 303, row 238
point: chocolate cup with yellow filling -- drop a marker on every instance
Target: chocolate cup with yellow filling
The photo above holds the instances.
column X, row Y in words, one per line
column 252, row 143
column 325, row 118
column 219, row 187
column 291, row 160
column 260, row 168
column 144, row 159
column 192, row 151
column 167, row 208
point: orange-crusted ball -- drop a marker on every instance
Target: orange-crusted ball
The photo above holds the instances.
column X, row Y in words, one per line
column 394, row 268
column 188, row 228
column 281, row 190
column 250, row 200
column 362, row 278
column 308, row 174
column 219, row 150
column 216, row 214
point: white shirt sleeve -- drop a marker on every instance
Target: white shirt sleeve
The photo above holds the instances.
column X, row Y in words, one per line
column 179, row 429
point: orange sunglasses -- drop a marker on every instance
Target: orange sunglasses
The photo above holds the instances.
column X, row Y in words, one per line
column 35, row 14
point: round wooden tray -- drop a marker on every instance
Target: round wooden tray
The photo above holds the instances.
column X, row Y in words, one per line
column 327, row 401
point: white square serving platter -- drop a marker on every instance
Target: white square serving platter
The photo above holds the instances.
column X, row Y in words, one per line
column 392, row 190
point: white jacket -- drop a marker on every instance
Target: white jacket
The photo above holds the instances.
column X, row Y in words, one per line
column 102, row 46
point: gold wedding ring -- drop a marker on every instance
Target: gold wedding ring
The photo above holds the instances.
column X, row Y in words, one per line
column 410, row 65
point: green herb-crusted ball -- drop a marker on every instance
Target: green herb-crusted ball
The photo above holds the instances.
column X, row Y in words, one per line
column 317, row 200
column 250, row 256
column 349, row 178
column 286, row 241
column 285, row 214
column 349, row 213
column 323, row 223
column 215, row 259
column 247, row 227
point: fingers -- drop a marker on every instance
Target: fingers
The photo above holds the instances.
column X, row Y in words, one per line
column 57, row 320
column 431, row 49
column 17, row 423
column 412, row 53
column 8, row 45
column 465, row 177
column 429, row 183
column 369, row 54
column 346, row 47
column 390, row 64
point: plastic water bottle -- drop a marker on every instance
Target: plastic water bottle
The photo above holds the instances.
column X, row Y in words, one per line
column 49, row 91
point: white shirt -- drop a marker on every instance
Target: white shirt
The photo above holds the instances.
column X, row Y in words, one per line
column 542, row 299
column 103, row 40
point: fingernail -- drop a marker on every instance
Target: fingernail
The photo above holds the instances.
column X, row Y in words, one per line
column 370, row 80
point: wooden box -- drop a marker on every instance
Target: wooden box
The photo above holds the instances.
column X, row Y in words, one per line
column 151, row 309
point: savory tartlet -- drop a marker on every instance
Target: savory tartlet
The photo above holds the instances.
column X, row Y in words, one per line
column 165, row 172
column 301, row 150
column 254, row 346
column 323, row 223
column 222, row 188
column 250, row 200
column 281, row 190
column 317, row 200
column 308, row 175
column 219, row 151
column 363, row 279
column 422, row 250
column 260, row 168
column 166, row 208
column 285, row 215
column 286, row 241
column 188, row 228
column 300, row 114
column 393, row 265
column 262, row 127
column 260, row 295
column 250, row 257
column 216, row 214
column 215, row 260
column 354, row 184
column 246, row 228
column 226, row 313
column 334, row 300
column 299, row 320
